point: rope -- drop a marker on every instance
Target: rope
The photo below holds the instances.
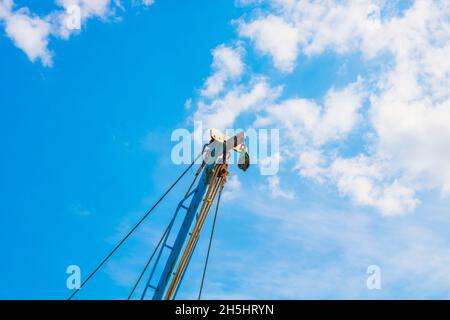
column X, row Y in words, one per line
column 135, row 227
column 149, row 261
column 209, row 246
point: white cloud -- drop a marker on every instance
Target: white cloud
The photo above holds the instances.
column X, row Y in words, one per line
column 306, row 121
column 416, row 138
column 31, row 33
column 227, row 65
column 233, row 188
column 341, row 112
column 28, row 32
column 311, row 27
column 273, row 36
column 222, row 112
column 364, row 181
column 310, row 164
column 275, row 189
column 88, row 9
column 409, row 97
column 5, row 8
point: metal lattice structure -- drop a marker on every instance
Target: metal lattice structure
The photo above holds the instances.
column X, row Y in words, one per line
column 171, row 257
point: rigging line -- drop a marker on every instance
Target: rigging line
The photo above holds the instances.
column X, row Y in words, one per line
column 163, row 236
column 190, row 246
column 192, row 242
column 136, row 226
column 195, row 178
column 210, row 242
column 149, row 260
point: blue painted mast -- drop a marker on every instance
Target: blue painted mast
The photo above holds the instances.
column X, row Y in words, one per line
column 163, row 280
column 175, row 249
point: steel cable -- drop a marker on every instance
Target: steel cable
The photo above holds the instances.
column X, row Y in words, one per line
column 135, row 227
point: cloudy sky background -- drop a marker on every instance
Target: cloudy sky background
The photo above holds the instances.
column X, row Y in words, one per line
column 358, row 89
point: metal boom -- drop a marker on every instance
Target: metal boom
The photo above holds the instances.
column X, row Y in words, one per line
column 168, row 275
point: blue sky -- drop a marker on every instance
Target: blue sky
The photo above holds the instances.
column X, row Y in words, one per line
column 86, row 120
